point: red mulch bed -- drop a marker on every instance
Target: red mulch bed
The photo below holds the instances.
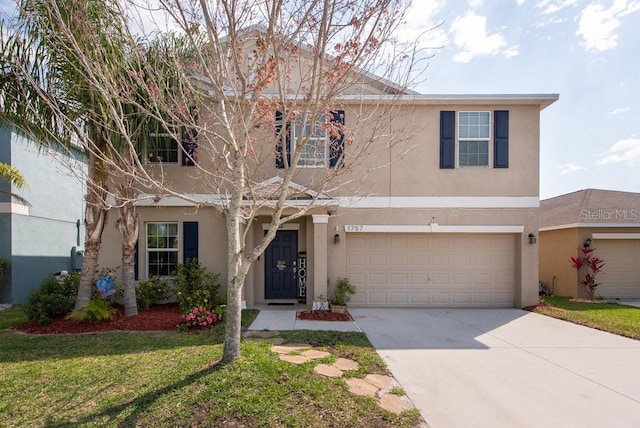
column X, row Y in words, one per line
column 158, row 317
column 323, row 316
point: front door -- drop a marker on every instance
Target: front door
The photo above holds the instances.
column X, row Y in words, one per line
column 280, row 266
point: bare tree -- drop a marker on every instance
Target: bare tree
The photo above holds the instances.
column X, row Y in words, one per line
column 263, row 72
column 253, row 81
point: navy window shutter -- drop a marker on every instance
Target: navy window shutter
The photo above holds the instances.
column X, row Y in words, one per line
column 190, row 240
column 501, row 139
column 135, row 262
column 336, row 145
column 447, row 139
column 279, row 156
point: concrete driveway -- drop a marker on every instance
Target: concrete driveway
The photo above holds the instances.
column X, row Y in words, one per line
column 507, row 368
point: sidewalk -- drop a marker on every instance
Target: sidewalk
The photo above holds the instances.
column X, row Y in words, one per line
column 285, row 319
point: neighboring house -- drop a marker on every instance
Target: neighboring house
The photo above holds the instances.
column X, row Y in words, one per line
column 446, row 225
column 608, row 221
column 41, row 224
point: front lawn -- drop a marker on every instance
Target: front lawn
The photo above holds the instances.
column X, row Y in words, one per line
column 607, row 316
column 171, row 379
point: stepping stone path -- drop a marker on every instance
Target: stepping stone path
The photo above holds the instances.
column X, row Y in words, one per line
column 373, row 385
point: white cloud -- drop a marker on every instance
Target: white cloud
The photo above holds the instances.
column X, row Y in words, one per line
column 422, row 26
column 475, row 3
column 597, row 25
column 619, row 110
column 553, row 6
column 569, row 168
column 471, row 36
column 624, row 151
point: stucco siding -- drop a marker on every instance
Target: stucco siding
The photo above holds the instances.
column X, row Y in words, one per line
column 556, row 247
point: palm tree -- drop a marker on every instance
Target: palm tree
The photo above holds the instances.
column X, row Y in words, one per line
column 12, row 175
column 53, row 59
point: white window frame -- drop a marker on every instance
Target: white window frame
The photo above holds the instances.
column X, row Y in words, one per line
column 461, row 139
column 172, row 249
column 170, row 137
column 321, row 127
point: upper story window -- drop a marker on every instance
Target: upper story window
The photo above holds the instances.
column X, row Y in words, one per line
column 314, row 152
column 474, row 139
column 163, row 148
column 474, row 132
column 323, row 140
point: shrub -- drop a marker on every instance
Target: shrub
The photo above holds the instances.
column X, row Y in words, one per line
column 195, row 286
column 344, row 290
column 94, row 312
column 200, row 317
column 55, row 297
column 150, row 291
column 593, row 266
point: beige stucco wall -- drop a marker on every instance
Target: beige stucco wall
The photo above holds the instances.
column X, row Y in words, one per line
column 405, row 165
column 556, row 248
column 211, row 240
column 393, row 154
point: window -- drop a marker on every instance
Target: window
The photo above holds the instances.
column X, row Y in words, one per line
column 474, row 130
column 314, row 152
column 162, row 248
column 323, row 141
column 466, row 143
column 163, row 148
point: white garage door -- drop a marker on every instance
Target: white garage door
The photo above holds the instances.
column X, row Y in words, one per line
column 434, row 270
column 621, row 273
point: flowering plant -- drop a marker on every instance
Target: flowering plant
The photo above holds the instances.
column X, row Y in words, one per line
column 593, row 266
column 201, row 317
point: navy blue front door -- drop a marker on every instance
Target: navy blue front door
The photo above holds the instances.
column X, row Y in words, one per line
column 280, row 266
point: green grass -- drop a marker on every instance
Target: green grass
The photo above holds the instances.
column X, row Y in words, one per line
column 172, row 379
column 12, row 316
column 607, row 316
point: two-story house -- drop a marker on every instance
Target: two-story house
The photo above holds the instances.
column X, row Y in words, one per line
column 449, row 218
column 42, row 226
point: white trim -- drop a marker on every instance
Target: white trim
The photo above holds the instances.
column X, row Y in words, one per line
column 440, row 202
column 575, row 225
column 615, row 236
column 13, row 208
column 286, row 226
column 320, row 218
column 147, row 200
column 431, row 228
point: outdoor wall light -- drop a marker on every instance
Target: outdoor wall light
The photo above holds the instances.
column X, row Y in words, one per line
column 336, row 238
column 587, row 243
column 532, row 238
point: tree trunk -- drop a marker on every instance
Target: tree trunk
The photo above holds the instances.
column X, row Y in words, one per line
column 95, row 218
column 128, row 227
column 236, row 274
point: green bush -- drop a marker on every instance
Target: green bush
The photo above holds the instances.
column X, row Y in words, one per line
column 94, row 312
column 195, row 286
column 54, row 298
column 149, row 291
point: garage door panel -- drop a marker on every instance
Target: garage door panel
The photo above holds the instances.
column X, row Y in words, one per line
column 621, row 273
column 399, row 259
column 432, row 270
column 399, row 279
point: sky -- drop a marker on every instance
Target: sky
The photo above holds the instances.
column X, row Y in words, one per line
column 586, row 51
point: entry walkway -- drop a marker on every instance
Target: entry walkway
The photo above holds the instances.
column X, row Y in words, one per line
column 285, row 319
